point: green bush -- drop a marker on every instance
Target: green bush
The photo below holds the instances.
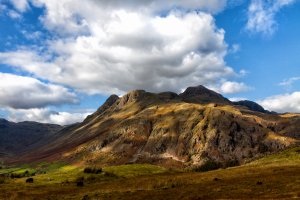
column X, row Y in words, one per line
column 2, row 180
column 23, row 174
column 92, row 170
column 208, row 166
column 80, row 181
column 29, row 180
column 13, row 175
column 232, row 163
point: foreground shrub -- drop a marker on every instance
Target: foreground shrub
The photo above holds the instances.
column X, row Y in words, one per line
column 94, row 170
column 2, row 179
column 208, row 166
column 24, row 174
column 80, row 184
column 232, row 163
column 79, row 181
column 16, row 175
column 29, row 180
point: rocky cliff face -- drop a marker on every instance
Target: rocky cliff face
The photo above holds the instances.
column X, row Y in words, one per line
column 186, row 130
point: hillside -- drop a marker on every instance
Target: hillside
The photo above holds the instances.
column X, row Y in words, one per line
column 251, row 106
column 17, row 138
column 196, row 128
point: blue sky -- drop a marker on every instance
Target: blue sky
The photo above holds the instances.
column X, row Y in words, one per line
column 60, row 60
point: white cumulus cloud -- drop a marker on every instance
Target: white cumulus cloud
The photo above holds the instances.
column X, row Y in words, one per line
column 26, row 92
column 282, row 103
column 289, row 82
column 261, row 15
column 112, row 46
column 230, row 87
column 20, row 5
column 104, row 47
column 14, row 15
column 45, row 115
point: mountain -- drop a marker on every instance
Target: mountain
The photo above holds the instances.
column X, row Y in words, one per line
column 251, row 106
column 17, row 138
column 195, row 128
column 201, row 94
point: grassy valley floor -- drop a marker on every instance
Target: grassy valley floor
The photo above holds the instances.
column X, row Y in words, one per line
column 273, row 177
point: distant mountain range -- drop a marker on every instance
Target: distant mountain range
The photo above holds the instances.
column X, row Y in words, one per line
column 189, row 129
column 18, row 138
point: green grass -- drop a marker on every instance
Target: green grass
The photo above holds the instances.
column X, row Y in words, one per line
column 9, row 170
column 286, row 157
column 51, row 166
column 275, row 176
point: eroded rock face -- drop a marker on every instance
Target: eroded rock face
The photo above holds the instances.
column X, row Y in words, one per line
column 132, row 96
column 215, row 135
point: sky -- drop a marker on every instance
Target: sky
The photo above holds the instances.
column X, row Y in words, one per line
column 61, row 59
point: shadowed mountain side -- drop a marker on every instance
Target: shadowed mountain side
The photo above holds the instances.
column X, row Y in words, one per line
column 252, row 106
column 165, row 129
column 16, row 138
column 201, row 94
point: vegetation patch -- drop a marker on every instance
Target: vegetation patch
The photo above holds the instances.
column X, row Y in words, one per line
column 48, row 167
column 80, row 181
column 231, row 163
column 20, row 173
column 134, row 170
column 2, row 179
column 92, row 170
column 207, row 166
column 286, row 157
column 29, row 180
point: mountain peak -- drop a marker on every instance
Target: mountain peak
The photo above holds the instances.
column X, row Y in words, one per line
column 3, row 120
column 108, row 103
column 132, row 96
column 111, row 99
column 195, row 90
column 201, row 94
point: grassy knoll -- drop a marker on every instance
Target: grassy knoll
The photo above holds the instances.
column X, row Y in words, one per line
column 276, row 176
